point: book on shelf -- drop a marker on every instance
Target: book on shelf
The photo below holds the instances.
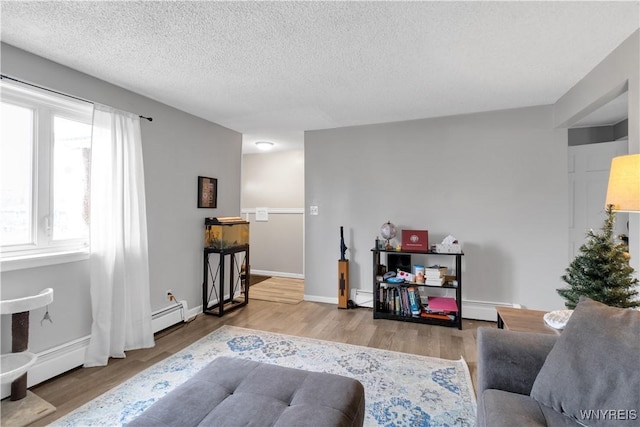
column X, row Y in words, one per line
column 399, row 300
column 393, row 300
column 442, row 305
column 434, row 282
column 440, row 308
column 414, row 300
column 435, row 271
column 404, row 302
column 437, row 316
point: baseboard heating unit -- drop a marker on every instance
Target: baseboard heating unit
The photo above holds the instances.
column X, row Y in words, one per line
column 169, row 316
column 362, row 298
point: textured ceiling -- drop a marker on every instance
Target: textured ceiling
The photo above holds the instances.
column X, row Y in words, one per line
column 274, row 69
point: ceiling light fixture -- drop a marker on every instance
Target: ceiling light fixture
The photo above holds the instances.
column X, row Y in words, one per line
column 264, row 145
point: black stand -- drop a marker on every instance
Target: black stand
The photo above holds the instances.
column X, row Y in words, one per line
column 379, row 312
column 228, row 303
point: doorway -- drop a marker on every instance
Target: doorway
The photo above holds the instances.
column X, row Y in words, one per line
column 588, row 177
column 273, row 203
column 593, row 142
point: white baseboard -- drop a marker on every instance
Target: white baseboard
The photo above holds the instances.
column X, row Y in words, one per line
column 277, row 274
column 63, row 358
column 482, row 310
column 193, row 312
column 316, row 298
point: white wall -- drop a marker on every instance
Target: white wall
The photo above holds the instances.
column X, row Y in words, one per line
column 177, row 147
column 497, row 181
column 275, row 181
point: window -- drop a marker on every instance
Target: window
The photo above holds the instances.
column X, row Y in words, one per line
column 45, row 152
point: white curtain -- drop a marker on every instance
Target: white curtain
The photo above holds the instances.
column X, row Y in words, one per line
column 119, row 261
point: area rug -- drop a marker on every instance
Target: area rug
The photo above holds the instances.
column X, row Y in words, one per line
column 400, row 389
column 256, row 278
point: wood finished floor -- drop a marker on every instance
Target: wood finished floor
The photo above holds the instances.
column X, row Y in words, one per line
column 278, row 289
column 315, row 320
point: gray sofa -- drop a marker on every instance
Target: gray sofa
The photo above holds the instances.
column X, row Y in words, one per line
column 589, row 375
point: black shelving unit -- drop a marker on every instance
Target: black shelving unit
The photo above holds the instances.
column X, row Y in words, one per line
column 378, row 309
column 229, row 303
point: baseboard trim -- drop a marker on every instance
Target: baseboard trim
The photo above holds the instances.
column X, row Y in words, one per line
column 277, row 274
column 316, row 298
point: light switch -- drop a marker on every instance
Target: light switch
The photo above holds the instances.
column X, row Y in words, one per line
column 262, row 214
column 313, row 210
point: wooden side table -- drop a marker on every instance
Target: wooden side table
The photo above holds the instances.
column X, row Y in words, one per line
column 523, row 320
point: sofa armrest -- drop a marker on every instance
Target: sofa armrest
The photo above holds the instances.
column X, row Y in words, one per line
column 509, row 360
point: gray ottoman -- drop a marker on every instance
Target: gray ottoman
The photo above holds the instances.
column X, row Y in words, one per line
column 237, row 392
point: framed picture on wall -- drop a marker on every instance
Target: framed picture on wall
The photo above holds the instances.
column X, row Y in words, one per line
column 207, row 192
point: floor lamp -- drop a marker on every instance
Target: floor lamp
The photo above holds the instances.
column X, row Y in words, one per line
column 623, row 191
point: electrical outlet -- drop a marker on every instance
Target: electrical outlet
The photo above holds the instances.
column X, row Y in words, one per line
column 169, row 295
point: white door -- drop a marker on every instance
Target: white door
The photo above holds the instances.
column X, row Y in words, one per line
column 588, row 177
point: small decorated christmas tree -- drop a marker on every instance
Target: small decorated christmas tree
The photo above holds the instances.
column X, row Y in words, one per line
column 601, row 271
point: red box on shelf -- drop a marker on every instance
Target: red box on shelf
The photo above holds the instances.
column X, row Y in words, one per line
column 415, row 240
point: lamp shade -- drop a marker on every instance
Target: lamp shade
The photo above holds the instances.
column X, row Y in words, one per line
column 623, row 191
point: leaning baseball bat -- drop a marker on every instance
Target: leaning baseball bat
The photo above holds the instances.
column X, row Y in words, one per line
column 343, row 274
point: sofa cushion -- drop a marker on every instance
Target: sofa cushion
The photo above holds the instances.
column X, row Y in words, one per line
column 592, row 372
column 504, row 409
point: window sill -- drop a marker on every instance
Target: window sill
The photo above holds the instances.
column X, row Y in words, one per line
column 41, row 260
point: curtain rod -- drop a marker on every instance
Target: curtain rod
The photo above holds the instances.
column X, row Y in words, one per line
column 4, row 76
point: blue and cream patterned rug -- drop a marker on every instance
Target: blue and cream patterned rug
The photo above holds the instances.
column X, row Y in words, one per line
column 400, row 389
